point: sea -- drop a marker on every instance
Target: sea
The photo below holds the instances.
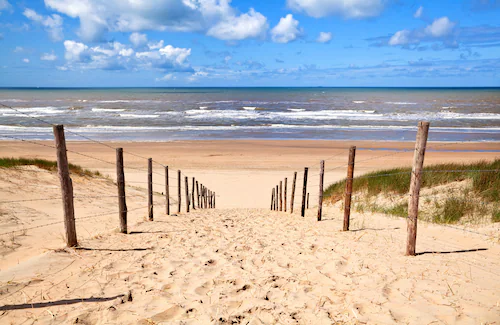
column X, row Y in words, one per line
column 166, row 114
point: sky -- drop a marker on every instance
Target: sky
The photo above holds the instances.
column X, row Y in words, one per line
column 198, row 43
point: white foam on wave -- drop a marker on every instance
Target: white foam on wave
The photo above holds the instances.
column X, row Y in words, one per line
column 221, row 114
column 203, row 107
column 400, row 103
column 249, row 108
column 359, row 101
column 40, row 110
column 97, row 109
column 139, row 115
column 296, row 109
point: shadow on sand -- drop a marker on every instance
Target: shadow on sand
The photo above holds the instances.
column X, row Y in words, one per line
column 57, row 303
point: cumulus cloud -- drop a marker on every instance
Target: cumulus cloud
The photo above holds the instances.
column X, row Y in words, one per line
column 26, row 60
column 324, row 37
column 52, row 24
column 287, row 30
column 345, row 8
column 214, row 17
column 138, row 39
column 48, row 57
column 440, row 29
column 118, row 56
column 166, row 77
column 419, row 12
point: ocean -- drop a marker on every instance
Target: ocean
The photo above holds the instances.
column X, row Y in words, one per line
column 165, row 114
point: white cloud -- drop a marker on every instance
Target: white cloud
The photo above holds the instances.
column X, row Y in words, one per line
column 227, row 59
column 74, row 51
column 214, row 17
column 138, row 39
column 195, row 76
column 401, row 37
column 4, row 4
column 324, row 37
column 155, row 46
column 26, row 60
column 419, row 12
column 53, row 24
column 175, row 54
column 48, row 57
column 166, row 77
column 440, row 27
column 345, row 8
column 18, row 49
column 286, row 30
column 249, row 25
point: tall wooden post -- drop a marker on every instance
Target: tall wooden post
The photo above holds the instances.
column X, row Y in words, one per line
column 198, row 194
column 167, row 191
column 321, row 178
column 187, row 193
column 214, row 200
column 150, row 189
column 284, row 205
column 192, row 195
column 281, row 195
column 277, row 198
column 348, row 188
column 293, row 191
column 120, row 182
column 416, row 181
column 272, row 199
column 66, row 186
column 304, row 191
column 179, row 193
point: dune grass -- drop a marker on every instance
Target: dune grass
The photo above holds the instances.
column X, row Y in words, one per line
column 485, row 187
column 45, row 164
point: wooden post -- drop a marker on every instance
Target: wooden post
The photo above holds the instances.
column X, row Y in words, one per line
column 214, row 200
column 416, row 181
column 198, row 194
column 307, row 207
column 281, row 196
column 277, row 198
column 187, row 193
column 179, row 193
column 150, row 189
column 66, row 186
column 120, row 182
column 210, row 199
column 272, row 199
column 321, row 178
column 304, row 191
column 293, row 191
column 167, row 191
column 348, row 188
column 192, row 195
column 284, row 205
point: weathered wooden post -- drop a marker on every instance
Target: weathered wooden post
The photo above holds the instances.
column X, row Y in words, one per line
column 214, row 199
column 192, row 194
column 187, row 193
column 66, row 186
column 293, row 191
column 150, row 189
column 321, row 178
column 416, row 181
column 304, row 191
column 201, row 196
column 198, row 194
column 348, row 188
column 179, row 193
column 277, row 198
column 307, row 206
column 120, row 182
column 272, row 199
column 281, row 196
column 284, row 205
column 167, row 191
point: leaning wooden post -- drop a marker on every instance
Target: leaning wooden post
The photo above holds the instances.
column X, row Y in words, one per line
column 293, row 191
column 187, row 193
column 192, row 194
column 348, row 188
column 167, row 191
column 198, row 194
column 179, row 193
column 150, row 189
column 304, row 191
column 66, row 186
column 321, row 178
column 281, row 196
column 120, row 182
column 416, row 181
column 285, row 195
column 272, row 199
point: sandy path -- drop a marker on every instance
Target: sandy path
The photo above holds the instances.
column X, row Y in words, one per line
column 252, row 266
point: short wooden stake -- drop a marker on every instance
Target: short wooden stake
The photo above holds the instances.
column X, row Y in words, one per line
column 167, row 191
column 304, row 192
column 416, row 181
column 192, row 195
column 281, row 196
column 179, row 193
column 272, row 199
column 277, row 198
column 66, row 186
column 120, row 182
column 284, row 205
column 187, row 193
column 348, row 188
column 307, row 201
column 198, row 194
column 293, row 191
column 214, row 200
column 150, row 189
column 321, row 178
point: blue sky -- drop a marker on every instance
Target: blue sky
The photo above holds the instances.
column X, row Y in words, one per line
column 167, row 43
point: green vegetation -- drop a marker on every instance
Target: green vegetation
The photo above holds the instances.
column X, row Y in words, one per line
column 45, row 164
column 475, row 199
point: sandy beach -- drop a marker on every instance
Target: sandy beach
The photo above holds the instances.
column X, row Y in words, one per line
column 239, row 263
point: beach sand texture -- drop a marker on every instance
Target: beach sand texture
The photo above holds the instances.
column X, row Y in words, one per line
column 239, row 263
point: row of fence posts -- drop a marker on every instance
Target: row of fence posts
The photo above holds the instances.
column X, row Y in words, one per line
column 205, row 197
column 415, row 183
